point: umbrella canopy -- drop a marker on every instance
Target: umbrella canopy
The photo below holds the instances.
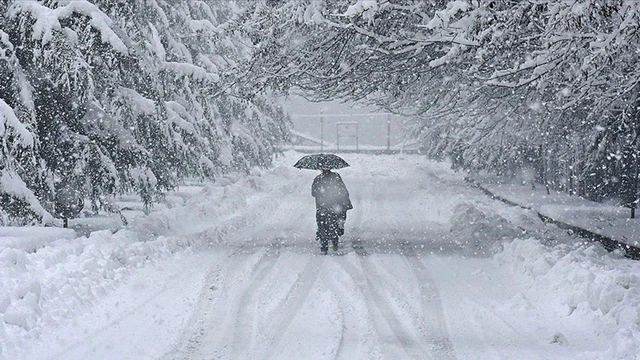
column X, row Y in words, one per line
column 321, row 161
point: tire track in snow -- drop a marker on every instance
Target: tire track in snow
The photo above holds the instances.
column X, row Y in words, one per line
column 438, row 343
column 213, row 334
column 192, row 343
column 245, row 316
column 295, row 298
column 431, row 322
column 223, row 326
column 437, row 337
column 122, row 317
column 368, row 281
column 425, row 335
column 358, row 246
column 343, row 330
column 357, row 329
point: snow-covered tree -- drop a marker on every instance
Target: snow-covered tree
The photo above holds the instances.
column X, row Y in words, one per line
column 495, row 84
column 22, row 176
column 130, row 96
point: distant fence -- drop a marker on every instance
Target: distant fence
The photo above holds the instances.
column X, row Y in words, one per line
column 349, row 131
column 308, row 150
column 309, row 144
column 414, row 149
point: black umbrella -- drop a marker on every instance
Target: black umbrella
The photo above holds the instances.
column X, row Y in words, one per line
column 321, row 161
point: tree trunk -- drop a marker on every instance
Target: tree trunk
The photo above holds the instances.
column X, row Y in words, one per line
column 629, row 179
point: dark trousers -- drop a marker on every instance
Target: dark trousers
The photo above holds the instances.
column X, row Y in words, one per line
column 328, row 229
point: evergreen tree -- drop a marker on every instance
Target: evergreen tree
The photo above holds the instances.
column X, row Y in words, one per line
column 130, row 97
column 22, row 177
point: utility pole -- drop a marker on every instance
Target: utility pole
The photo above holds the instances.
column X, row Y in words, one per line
column 388, row 132
column 357, row 136
column 321, row 132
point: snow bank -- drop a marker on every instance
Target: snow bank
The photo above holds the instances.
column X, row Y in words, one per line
column 564, row 281
column 479, row 229
column 31, row 238
column 47, row 274
column 581, row 283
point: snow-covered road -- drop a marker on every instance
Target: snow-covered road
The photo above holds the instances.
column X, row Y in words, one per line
column 275, row 297
column 428, row 269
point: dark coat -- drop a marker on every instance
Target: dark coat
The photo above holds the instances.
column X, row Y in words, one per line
column 331, row 193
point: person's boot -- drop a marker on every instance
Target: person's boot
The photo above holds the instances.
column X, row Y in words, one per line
column 340, row 226
column 335, row 245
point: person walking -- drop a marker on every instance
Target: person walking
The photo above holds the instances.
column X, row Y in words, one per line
column 332, row 204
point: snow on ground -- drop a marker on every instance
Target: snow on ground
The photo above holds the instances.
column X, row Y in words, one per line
column 610, row 220
column 429, row 268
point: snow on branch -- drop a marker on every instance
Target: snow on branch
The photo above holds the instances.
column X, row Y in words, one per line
column 8, row 119
column 365, row 8
column 178, row 115
column 12, row 184
column 205, row 62
column 451, row 55
column 313, row 14
column 155, row 43
column 48, row 20
column 190, row 70
column 203, row 25
column 443, row 17
column 242, row 132
column 538, row 66
column 5, row 45
column 99, row 122
column 139, row 104
column 144, row 176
